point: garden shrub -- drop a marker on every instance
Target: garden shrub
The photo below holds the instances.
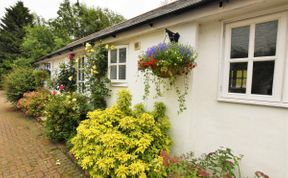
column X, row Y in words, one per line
column 33, row 103
column 67, row 76
column 17, row 82
column 40, row 77
column 64, row 113
column 123, row 142
column 221, row 163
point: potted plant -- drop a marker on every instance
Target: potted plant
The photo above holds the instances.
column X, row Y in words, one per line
column 165, row 62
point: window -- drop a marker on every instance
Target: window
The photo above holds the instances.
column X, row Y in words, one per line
column 254, row 59
column 81, row 75
column 117, row 64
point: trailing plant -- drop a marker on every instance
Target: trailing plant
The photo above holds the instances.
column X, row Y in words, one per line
column 96, row 70
column 33, row 103
column 64, row 112
column 121, row 141
column 163, row 64
column 67, row 75
column 19, row 81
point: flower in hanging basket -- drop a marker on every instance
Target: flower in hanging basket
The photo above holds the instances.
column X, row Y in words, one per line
column 165, row 62
column 168, row 60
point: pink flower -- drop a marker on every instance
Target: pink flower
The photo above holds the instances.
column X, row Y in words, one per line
column 54, row 92
column 61, row 87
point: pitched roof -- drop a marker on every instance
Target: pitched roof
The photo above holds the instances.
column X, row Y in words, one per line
column 176, row 7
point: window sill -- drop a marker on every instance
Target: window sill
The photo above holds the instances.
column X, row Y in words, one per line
column 119, row 84
column 278, row 104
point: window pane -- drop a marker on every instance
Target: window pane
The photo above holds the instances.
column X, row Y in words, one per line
column 122, row 72
column 262, row 82
column 113, row 72
column 83, row 62
column 79, row 75
column 238, row 77
column 81, row 87
column 122, row 55
column 82, row 75
column 266, row 38
column 79, row 63
column 240, row 42
column 113, row 56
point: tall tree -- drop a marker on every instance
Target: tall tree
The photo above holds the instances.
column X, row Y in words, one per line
column 12, row 30
column 78, row 20
column 11, row 35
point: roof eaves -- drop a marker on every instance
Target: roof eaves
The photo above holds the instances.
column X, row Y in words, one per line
column 167, row 10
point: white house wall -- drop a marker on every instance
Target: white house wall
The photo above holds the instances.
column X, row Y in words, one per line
column 260, row 133
column 56, row 61
column 257, row 132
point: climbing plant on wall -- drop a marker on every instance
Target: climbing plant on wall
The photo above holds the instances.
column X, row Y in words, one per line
column 66, row 79
column 96, row 70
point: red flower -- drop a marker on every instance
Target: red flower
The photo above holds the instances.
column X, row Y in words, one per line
column 174, row 160
column 165, row 157
column 71, row 56
column 61, row 87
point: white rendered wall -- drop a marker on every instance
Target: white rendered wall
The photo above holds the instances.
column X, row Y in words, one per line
column 258, row 132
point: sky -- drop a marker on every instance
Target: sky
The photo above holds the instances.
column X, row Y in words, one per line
column 48, row 8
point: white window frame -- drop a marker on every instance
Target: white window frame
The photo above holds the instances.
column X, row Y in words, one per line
column 118, row 81
column 278, row 82
column 81, row 70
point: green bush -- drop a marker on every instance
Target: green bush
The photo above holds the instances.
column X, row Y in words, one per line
column 33, row 103
column 123, row 142
column 221, row 163
column 64, row 113
column 17, row 82
column 218, row 164
column 40, row 77
column 67, row 77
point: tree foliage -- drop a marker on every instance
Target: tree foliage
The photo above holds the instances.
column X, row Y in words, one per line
column 11, row 35
column 73, row 21
column 78, row 20
column 40, row 40
column 12, row 30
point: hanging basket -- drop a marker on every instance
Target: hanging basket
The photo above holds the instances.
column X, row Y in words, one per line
column 164, row 73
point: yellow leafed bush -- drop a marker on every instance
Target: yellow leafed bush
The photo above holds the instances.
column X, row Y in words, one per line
column 123, row 142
